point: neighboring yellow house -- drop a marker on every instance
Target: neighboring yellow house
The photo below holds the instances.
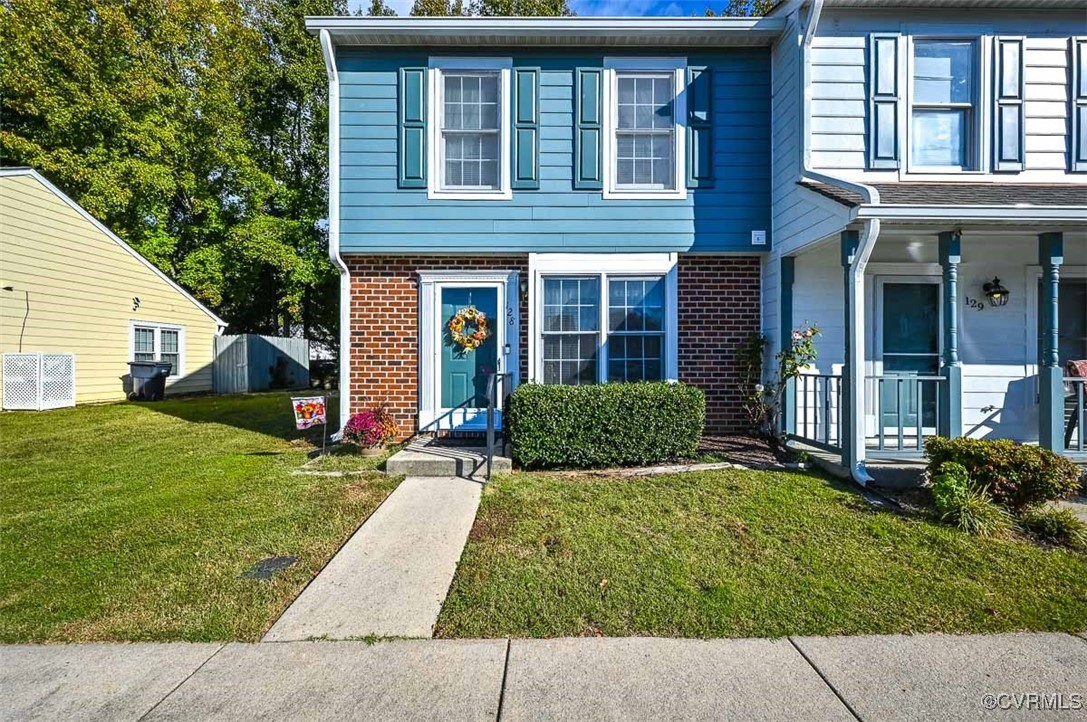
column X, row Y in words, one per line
column 82, row 290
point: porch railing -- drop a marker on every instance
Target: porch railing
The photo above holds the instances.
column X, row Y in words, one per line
column 901, row 412
column 814, row 410
column 1075, row 437
column 907, row 409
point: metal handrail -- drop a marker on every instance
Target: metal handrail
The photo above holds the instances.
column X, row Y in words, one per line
column 492, row 401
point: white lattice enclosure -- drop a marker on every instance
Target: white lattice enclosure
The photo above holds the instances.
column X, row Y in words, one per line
column 39, row 381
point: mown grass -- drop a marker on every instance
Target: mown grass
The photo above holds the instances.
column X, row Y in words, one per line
column 133, row 521
column 738, row 553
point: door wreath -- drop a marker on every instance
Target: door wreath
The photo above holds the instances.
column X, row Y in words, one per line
column 468, row 328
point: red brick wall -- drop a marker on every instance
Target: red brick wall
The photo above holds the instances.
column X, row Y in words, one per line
column 719, row 307
column 385, row 327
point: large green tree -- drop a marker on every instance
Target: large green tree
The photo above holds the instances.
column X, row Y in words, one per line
column 743, row 8
column 491, row 8
column 195, row 129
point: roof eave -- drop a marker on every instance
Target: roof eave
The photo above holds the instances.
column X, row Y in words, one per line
column 996, row 215
column 544, row 31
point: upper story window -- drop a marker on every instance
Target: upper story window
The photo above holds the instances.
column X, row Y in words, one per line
column 943, row 114
column 644, row 134
column 470, row 145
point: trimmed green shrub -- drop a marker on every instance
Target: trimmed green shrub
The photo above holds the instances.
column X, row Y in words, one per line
column 1014, row 475
column 617, row 424
column 1057, row 526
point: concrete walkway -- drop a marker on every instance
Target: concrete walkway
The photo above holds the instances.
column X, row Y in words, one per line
column 392, row 575
column 924, row 677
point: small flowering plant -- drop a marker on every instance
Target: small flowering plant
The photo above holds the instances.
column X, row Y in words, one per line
column 762, row 402
column 371, row 428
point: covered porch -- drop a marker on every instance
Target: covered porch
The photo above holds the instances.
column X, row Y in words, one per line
column 956, row 327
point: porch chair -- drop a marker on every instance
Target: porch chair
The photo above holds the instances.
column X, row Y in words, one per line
column 1074, row 369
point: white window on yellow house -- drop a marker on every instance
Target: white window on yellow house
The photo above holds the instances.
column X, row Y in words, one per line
column 159, row 342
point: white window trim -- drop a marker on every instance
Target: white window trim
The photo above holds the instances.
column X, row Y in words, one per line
column 158, row 328
column 603, row 266
column 979, row 130
column 677, row 66
column 435, row 108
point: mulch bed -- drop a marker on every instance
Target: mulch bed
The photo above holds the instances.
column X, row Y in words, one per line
column 741, row 449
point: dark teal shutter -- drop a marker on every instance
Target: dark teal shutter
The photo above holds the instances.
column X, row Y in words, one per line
column 883, row 141
column 526, row 128
column 588, row 168
column 412, row 128
column 1008, row 118
column 699, row 127
column 1078, row 107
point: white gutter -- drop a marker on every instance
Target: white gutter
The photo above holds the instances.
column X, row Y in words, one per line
column 997, row 215
column 869, row 233
column 334, row 226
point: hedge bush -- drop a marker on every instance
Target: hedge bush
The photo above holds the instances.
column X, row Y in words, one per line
column 1014, row 475
column 620, row 424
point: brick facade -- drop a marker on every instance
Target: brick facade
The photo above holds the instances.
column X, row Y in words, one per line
column 718, row 309
column 385, row 327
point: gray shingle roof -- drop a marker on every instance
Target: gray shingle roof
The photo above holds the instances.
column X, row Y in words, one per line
column 962, row 194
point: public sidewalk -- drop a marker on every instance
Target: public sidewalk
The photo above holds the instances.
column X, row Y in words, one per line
column 923, row 677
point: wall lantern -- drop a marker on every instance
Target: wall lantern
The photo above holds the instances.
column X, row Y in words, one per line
column 997, row 294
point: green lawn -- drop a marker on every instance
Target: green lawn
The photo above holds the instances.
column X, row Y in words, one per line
column 133, row 521
column 739, row 553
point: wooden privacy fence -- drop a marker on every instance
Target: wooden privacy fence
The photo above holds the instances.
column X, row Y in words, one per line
column 250, row 362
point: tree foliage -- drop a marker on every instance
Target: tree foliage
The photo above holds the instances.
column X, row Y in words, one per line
column 378, row 8
column 491, row 8
column 195, row 129
column 743, row 8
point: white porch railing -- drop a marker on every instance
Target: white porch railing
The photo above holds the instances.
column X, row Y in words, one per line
column 902, row 411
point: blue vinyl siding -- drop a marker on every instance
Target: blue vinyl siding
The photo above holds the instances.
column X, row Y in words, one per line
column 376, row 216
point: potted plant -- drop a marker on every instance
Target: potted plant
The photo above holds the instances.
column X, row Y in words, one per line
column 370, row 430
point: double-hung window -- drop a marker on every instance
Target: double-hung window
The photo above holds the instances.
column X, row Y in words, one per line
column 605, row 327
column 470, row 145
column 157, row 342
column 644, row 138
column 943, row 122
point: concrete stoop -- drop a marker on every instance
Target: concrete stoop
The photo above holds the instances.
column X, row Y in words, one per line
column 428, row 457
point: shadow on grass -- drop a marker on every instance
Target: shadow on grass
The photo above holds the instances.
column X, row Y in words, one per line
column 268, row 413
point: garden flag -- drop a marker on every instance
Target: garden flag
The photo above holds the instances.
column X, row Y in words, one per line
column 309, row 411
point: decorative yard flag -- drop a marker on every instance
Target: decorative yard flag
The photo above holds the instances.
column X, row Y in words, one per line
column 309, row 411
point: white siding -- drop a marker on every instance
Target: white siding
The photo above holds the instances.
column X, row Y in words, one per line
column 997, row 346
column 839, row 94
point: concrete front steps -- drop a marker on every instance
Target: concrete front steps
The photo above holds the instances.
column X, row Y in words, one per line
column 431, row 457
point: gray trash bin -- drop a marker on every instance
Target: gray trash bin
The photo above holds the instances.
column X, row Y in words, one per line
column 148, row 380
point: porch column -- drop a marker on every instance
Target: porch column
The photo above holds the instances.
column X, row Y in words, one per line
column 1051, row 388
column 850, row 240
column 786, row 277
column 950, row 396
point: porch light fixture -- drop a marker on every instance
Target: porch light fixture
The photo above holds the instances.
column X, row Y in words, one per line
column 997, row 294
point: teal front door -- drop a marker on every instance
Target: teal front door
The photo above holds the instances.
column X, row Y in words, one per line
column 911, row 348
column 462, row 373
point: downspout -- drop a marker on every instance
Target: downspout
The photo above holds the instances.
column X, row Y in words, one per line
column 868, row 235
column 329, row 53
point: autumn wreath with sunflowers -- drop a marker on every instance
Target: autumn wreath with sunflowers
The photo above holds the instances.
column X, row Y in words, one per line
column 468, row 328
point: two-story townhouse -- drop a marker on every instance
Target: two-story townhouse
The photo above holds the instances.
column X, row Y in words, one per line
column 600, row 189
column 930, row 216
